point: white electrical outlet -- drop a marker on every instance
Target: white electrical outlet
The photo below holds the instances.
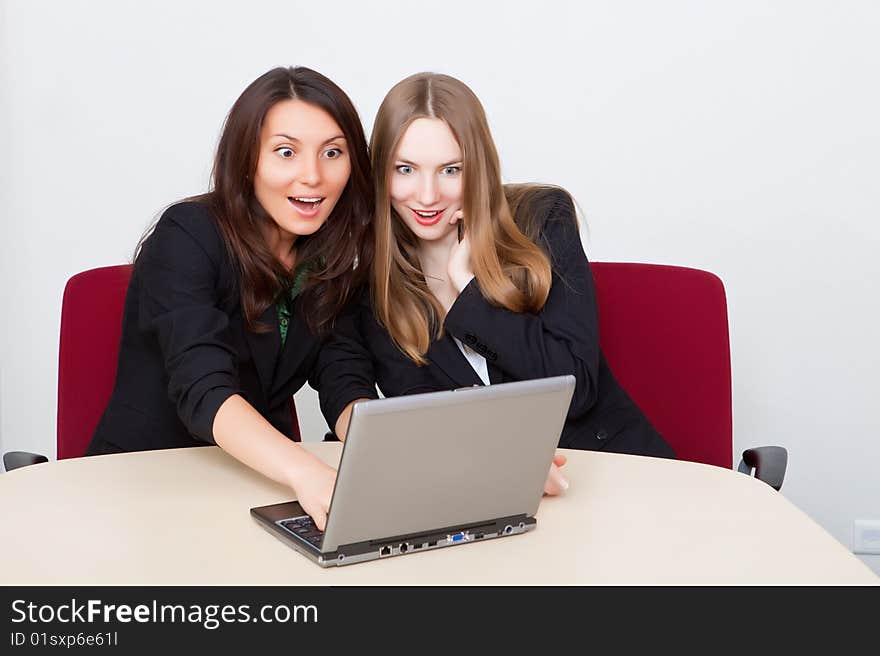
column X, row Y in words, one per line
column 866, row 536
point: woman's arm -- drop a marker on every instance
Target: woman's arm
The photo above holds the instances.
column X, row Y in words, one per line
column 181, row 269
column 245, row 434
column 345, row 418
column 344, row 371
column 561, row 339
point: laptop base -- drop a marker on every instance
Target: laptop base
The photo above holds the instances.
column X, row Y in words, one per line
column 279, row 519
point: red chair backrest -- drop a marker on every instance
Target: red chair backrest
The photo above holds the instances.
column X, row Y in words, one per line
column 91, row 326
column 664, row 332
column 91, row 323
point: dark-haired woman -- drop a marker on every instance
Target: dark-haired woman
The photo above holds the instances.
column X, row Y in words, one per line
column 232, row 291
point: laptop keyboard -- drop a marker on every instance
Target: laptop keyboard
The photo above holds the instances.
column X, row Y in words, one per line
column 304, row 527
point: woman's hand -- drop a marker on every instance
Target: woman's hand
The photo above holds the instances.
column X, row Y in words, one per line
column 245, row 434
column 459, row 266
column 556, row 483
column 345, row 418
column 313, row 481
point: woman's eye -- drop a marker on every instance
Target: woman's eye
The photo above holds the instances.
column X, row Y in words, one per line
column 451, row 170
column 333, row 153
column 404, row 169
column 285, row 152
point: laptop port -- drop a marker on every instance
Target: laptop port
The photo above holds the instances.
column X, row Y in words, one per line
column 478, row 536
column 385, row 551
column 418, row 546
column 404, row 547
column 432, row 544
column 508, row 529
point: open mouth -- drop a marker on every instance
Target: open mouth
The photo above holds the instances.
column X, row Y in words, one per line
column 427, row 217
column 306, row 205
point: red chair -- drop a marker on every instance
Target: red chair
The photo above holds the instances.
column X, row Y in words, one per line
column 91, row 326
column 663, row 330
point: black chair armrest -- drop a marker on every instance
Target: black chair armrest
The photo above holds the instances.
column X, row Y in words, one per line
column 769, row 463
column 15, row 459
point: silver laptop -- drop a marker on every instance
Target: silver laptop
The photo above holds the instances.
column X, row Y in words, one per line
column 434, row 470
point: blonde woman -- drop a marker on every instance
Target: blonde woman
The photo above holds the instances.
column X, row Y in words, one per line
column 473, row 283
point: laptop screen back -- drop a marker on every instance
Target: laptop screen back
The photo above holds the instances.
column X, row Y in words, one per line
column 427, row 461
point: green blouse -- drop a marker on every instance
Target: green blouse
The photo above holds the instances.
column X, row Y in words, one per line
column 286, row 298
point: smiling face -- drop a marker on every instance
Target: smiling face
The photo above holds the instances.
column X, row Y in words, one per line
column 302, row 169
column 426, row 181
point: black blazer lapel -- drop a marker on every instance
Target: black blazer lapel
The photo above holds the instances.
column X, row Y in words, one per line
column 445, row 354
column 496, row 375
column 265, row 347
column 299, row 344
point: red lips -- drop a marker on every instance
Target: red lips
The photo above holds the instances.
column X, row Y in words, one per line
column 305, row 209
column 428, row 220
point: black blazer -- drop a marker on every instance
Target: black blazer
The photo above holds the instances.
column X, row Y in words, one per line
column 185, row 349
column 563, row 338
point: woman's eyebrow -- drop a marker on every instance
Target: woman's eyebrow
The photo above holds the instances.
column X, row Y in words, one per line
column 287, row 137
column 403, row 160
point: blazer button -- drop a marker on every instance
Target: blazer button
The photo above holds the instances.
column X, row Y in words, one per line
column 602, row 434
column 470, row 338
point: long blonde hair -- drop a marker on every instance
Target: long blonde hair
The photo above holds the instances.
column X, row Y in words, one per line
column 512, row 271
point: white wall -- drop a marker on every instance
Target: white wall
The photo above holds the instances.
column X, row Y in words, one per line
column 740, row 137
column 5, row 169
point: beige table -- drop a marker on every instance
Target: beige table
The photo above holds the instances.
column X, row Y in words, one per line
column 182, row 517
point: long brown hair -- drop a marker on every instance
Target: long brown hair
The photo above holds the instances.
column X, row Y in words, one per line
column 338, row 255
column 511, row 270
